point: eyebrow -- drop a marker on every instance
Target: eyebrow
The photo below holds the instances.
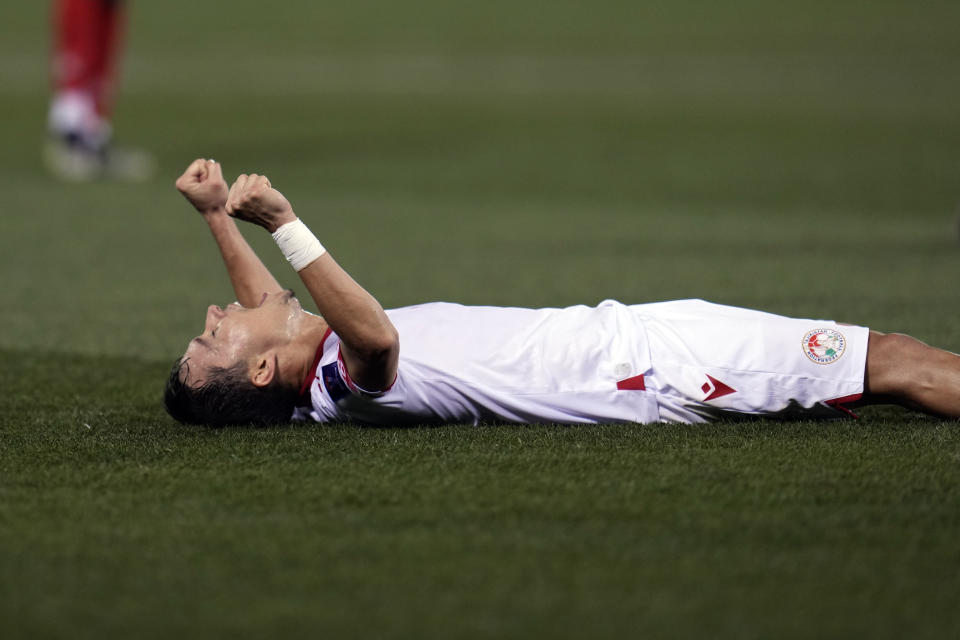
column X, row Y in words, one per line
column 202, row 342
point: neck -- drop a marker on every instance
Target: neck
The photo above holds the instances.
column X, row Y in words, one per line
column 301, row 351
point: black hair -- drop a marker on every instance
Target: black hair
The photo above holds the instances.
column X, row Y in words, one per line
column 227, row 397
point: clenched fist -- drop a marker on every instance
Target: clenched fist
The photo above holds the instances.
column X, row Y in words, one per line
column 253, row 198
column 203, row 185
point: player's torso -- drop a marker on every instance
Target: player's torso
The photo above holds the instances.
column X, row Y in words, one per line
column 468, row 364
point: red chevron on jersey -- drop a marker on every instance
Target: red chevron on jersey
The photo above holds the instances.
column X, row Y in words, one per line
column 715, row 389
column 635, row 383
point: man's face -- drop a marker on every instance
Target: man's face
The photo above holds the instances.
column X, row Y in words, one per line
column 236, row 333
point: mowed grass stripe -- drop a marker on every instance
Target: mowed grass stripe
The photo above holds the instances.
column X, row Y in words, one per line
column 886, row 87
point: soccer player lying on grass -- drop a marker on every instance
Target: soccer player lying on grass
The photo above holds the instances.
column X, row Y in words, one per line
column 263, row 359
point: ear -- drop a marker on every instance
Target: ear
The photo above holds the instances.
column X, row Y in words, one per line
column 263, row 370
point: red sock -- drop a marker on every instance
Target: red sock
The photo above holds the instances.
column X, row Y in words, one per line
column 87, row 38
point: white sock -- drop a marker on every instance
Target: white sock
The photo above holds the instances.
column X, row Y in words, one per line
column 74, row 112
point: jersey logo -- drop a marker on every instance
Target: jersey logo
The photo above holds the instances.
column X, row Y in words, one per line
column 824, row 346
column 715, row 389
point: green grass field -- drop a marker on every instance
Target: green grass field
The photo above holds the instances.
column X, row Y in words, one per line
column 797, row 159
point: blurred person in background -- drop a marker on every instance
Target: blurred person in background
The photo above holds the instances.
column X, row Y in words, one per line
column 87, row 42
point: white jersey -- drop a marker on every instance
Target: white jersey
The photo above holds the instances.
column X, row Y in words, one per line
column 469, row 364
column 461, row 364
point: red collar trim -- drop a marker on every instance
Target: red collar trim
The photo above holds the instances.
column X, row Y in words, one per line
column 312, row 373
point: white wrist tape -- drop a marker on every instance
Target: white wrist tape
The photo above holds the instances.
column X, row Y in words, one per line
column 299, row 246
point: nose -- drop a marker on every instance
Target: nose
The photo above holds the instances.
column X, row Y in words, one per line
column 214, row 314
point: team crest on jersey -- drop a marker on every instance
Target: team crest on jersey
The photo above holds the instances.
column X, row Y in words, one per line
column 824, row 346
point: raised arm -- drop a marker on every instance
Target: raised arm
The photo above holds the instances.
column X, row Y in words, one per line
column 369, row 341
column 203, row 185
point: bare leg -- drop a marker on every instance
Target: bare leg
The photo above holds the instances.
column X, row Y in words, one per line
column 902, row 370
